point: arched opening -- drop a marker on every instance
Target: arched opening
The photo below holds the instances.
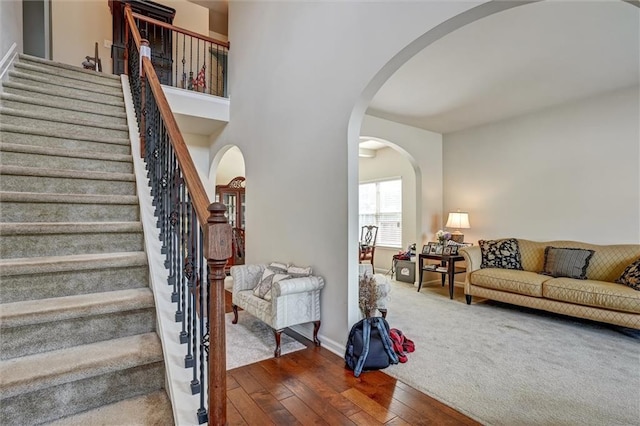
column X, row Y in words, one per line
column 441, row 197
column 228, row 176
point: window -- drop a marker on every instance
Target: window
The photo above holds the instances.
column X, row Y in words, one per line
column 381, row 205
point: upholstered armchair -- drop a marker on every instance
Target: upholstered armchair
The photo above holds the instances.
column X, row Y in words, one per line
column 292, row 301
column 383, row 285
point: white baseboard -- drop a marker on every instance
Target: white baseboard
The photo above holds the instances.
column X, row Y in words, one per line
column 330, row 345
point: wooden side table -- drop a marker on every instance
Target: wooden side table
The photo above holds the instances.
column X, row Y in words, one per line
column 448, row 262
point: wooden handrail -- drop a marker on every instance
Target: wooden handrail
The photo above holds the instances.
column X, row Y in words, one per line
column 199, row 196
column 132, row 24
column 180, row 30
column 215, row 240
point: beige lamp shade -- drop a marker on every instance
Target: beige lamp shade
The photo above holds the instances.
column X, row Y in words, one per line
column 458, row 220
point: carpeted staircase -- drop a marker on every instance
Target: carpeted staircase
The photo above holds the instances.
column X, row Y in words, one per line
column 77, row 319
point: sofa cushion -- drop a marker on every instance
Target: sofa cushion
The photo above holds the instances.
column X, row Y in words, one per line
column 503, row 254
column 600, row 294
column 269, row 276
column 521, row 282
column 631, row 276
column 566, row 262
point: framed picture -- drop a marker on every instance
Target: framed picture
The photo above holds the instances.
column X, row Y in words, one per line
column 432, row 248
column 454, row 250
column 439, row 248
column 447, row 250
column 425, row 248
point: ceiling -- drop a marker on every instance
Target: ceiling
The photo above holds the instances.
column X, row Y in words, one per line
column 515, row 62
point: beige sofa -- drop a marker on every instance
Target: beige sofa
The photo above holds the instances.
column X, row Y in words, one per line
column 597, row 298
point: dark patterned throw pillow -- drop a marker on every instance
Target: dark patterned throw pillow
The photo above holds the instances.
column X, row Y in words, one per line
column 566, row 262
column 503, row 254
column 631, row 276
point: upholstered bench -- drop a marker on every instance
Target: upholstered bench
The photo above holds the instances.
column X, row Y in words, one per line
column 277, row 298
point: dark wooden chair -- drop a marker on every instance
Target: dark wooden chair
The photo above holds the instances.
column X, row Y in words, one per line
column 238, row 246
column 368, row 235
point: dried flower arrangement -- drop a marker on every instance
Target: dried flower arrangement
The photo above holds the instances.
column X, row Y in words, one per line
column 368, row 295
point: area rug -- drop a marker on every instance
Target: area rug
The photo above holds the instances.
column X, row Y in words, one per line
column 504, row 365
column 251, row 340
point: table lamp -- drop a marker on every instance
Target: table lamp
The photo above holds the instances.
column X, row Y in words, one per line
column 458, row 220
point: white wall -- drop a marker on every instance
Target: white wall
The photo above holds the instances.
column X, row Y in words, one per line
column 10, row 25
column 569, row 172
column 294, row 85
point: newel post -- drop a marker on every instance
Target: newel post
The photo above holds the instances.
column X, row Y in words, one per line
column 145, row 52
column 218, row 250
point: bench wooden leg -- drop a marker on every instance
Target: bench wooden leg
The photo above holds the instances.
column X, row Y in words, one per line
column 235, row 314
column 277, row 333
column 316, row 327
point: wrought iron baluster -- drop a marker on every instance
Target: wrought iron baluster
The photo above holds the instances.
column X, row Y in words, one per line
column 204, row 331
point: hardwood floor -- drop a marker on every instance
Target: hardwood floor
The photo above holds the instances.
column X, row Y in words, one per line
column 312, row 386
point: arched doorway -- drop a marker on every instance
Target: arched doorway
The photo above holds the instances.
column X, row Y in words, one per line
column 228, row 174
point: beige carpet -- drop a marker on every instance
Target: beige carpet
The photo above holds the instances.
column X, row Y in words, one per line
column 504, row 365
column 251, row 340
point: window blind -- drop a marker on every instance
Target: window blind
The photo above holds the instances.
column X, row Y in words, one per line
column 380, row 204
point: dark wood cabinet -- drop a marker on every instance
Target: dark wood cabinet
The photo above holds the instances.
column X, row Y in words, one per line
column 160, row 39
column 232, row 196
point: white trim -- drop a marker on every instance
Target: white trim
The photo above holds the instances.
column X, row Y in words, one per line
column 6, row 63
column 178, row 378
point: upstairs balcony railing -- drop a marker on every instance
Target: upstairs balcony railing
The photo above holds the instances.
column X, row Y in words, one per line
column 195, row 235
column 192, row 61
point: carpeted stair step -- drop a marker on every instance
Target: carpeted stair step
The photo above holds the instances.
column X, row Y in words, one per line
column 61, row 109
column 145, row 410
column 55, row 67
column 43, row 207
column 32, row 179
column 60, row 81
column 20, row 135
column 62, row 322
column 82, row 128
column 86, row 103
column 34, row 278
column 71, row 73
column 48, row 386
column 59, row 239
column 56, row 158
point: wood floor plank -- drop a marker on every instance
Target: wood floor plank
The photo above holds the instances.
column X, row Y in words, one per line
column 364, row 419
column 233, row 416
column 442, row 407
column 247, row 381
column 408, row 414
column 247, row 408
column 397, row 421
column 378, row 412
column 273, row 408
column 433, row 412
column 328, row 412
column 302, row 412
column 231, row 382
column 269, row 382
